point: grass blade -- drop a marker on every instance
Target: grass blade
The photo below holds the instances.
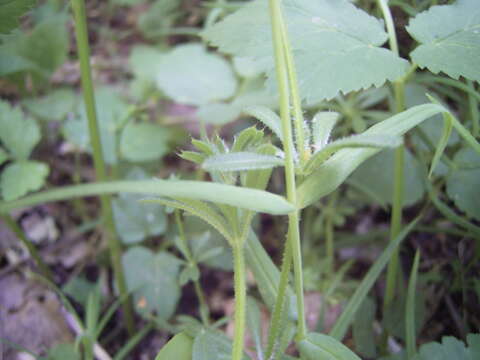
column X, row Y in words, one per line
column 410, row 309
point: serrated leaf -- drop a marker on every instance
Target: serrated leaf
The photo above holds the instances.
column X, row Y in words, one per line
column 323, row 347
column 18, row 133
column 340, row 32
column 322, row 125
column 450, row 39
column 153, row 279
column 10, row 11
column 54, row 106
column 378, row 176
column 240, row 161
column 463, row 184
column 450, row 349
column 267, row 117
column 19, row 178
column 190, row 82
column 144, row 141
column 179, row 347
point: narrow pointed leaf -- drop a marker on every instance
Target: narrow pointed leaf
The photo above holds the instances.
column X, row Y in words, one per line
column 322, row 126
column 450, row 39
column 333, row 172
column 267, row 117
column 410, row 308
column 251, row 199
column 323, row 347
column 241, row 161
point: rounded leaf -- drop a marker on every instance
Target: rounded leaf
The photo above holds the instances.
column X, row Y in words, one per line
column 19, row 178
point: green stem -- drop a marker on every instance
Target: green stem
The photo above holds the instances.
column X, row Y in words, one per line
column 240, row 299
column 114, row 244
column 293, row 218
column 474, row 114
column 329, row 246
column 28, row 244
column 204, row 311
column 278, row 309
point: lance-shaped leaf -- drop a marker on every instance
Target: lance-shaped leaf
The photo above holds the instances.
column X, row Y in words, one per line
column 240, row 161
column 322, row 126
column 323, row 347
column 267, row 117
column 333, row 172
column 251, row 199
column 354, row 141
column 334, row 43
column 450, row 39
column 10, row 11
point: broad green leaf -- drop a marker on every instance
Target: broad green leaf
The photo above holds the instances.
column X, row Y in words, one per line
column 341, row 33
column 144, row 141
column 267, row 117
column 3, row 156
column 54, row 106
column 78, row 288
column 240, row 161
column 346, row 318
column 136, row 221
column 450, row 39
column 19, row 178
column 322, row 125
column 251, row 199
column 63, row 351
column 191, row 82
column 451, row 349
column 323, row 347
column 218, row 113
column 246, row 67
column 333, row 172
column 363, row 332
column 159, row 17
column 18, row 133
column 463, row 184
column 10, row 11
column 211, row 344
column 153, row 279
column 111, row 112
column 144, row 61
column 179, row 347
column 377, row 175
column 354, row 141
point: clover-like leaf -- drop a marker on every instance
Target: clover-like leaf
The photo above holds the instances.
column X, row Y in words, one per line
column 144, row 141
column 19, row 178
column 463, row 184
column 10, row 11
column 198, row 82
column 450, row 39
column 18, row 133
column 153, row 279
column 334, row 43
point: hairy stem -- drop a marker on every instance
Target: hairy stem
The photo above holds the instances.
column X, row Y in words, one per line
column 293, row 218
column 240, row 299
column 114, row 244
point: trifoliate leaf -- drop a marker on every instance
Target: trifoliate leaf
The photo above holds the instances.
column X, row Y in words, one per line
column 153, row 279
column 19, row 178
column 19, row 134
column 10, row 11
column 376, row 176
column 208, row 78
column 450, row 39
column 241, row 161
column 463, row 184
column 336, row 46
column 144, row 142
column 53, row 107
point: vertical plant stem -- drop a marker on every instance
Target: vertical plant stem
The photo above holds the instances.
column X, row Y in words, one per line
column 410, row 309
column 15, row 228
column 204, row 312
column 293, row 218
column 330, row 249
column 474, row 113
column 240, row 299
column 114, row 244
column 398, row 186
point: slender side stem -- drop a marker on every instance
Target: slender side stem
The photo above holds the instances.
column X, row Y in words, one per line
column 293, row 218
column 398, row 186
column 278, row 309
column 240, row 299
column 28, row 244
column 474, row 113
column 204, row 312
column 114, row 244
